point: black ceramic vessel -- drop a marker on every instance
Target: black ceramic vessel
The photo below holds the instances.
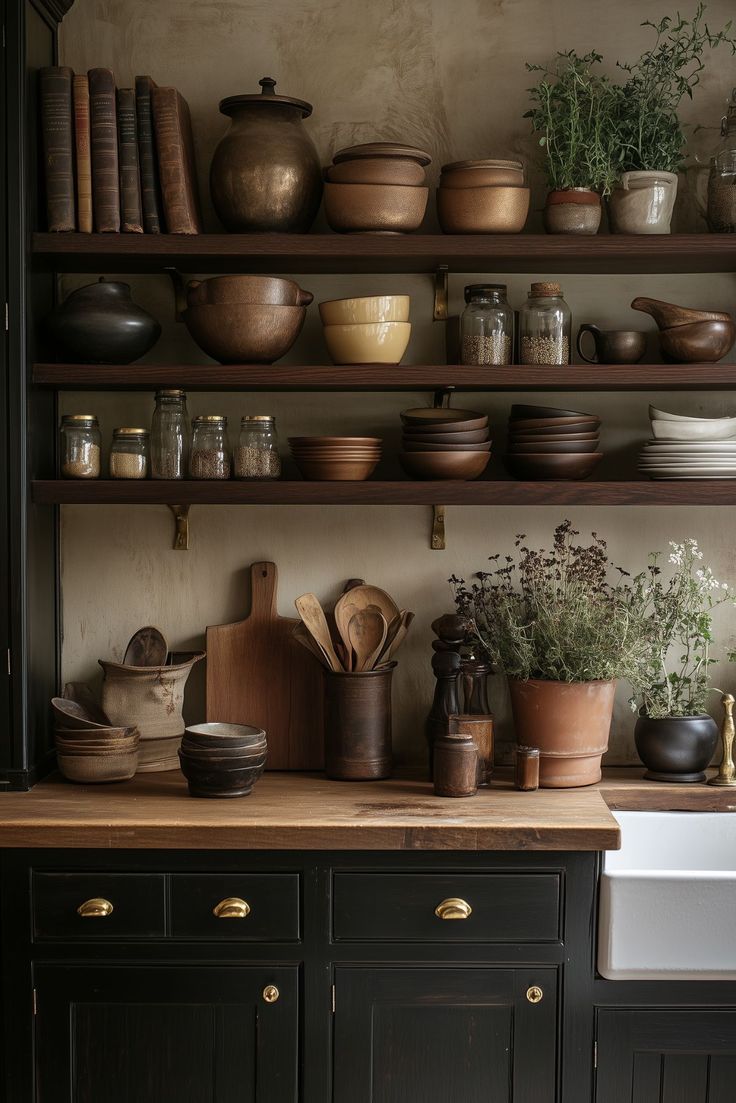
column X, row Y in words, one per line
column 676, row 748
column 100, row 324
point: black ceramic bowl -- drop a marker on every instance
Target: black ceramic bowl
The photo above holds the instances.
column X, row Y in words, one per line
column 223, row 735
column 214, row 781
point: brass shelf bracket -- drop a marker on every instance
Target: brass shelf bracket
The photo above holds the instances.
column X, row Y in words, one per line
column 181, row 531
column 441, row 294
column 437, row 543
column 180, row 292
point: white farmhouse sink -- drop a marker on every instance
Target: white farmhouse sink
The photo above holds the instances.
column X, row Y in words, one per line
column 668, row 898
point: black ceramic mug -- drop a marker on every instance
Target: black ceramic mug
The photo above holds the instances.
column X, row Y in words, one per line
column 613, row 346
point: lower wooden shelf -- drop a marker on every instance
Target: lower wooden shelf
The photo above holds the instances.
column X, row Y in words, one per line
column 509, row 492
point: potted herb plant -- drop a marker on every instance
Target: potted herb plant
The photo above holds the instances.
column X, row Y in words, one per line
column 572, row 105
column 645, row 130
column 562, row 634
column 675, row 737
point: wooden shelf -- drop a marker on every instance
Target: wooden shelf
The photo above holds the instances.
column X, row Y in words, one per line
column 380, row 253
column 400, row 492
column 377, row 377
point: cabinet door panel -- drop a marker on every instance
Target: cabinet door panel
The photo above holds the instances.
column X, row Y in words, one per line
column 166, row 1035
column 433, row 1034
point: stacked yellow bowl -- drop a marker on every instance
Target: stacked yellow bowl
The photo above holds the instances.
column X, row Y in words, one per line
column 373, row 329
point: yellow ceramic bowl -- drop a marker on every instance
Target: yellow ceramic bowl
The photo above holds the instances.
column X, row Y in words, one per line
column 368, row 343
column 489, row 210
column 371, row 308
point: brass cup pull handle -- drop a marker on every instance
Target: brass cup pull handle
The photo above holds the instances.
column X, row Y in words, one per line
column 453, row 908
column 232, row 907
column 96, row 908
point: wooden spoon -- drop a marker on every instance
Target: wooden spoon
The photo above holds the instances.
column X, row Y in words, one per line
column 308, row 641
column 367, row 632
column 406, row 619
column 147, row 647
column 313, row 615
column 363, row 596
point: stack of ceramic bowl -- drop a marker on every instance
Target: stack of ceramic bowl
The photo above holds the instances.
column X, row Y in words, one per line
column 379, row 187
column 374, row 329
column 689, row 447
column 442, row 443
column 483, row 197
column 547, row 443
column 245, row 319
column 336, row 459
column 222, row 760
column 89, row 750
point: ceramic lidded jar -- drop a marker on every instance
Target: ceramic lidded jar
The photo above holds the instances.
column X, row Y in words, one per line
column 100, row 324
column 265, row 173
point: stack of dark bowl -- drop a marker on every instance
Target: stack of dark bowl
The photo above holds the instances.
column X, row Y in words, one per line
column 222, row 760
column 443, row 443
column 546, row 443
column 88, row 748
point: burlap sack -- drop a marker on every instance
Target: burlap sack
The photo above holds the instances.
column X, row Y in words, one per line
column 151, row 698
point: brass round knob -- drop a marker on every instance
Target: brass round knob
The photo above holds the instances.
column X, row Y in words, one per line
column 270, row 993
column 453, row 908
column 232, row 907
column 96, row 908
column 534, row 994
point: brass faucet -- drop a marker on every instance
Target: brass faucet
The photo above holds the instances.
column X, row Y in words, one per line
column 727, row 771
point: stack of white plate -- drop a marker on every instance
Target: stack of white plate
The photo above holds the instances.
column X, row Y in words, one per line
column 689, row 447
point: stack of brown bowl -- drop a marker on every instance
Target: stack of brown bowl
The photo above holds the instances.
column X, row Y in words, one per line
column 245, row 319
column 379, row 187
column 89, row 750
column 482, row 197
column 440, row 443
column 547, row 443
column 338, row 459
column 222, row 760
column 373, row 329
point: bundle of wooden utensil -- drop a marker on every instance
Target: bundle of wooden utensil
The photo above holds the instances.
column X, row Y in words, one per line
column 363, row 633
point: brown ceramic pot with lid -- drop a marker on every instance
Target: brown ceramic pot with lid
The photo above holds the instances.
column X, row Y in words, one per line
column 265, row 173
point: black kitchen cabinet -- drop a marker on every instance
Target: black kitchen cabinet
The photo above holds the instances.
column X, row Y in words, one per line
column 148, row 1034
column 432, row 1034
column 666, row 1055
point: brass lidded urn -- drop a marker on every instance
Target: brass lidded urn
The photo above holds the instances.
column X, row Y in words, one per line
column 265, row 173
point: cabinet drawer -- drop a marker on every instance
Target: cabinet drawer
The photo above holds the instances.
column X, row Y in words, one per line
column 263, row 907
column 511, row 907
column 136, row 904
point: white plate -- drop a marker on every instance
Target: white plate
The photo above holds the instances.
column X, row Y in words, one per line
column 663, row 415
column 660, row 447
column 691, row 478
column 724, row 429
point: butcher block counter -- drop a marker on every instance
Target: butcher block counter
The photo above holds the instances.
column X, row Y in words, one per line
column 289, row 811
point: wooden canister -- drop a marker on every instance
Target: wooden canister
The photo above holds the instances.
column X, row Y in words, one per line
column 358, row 725
column 480, row 729
column 455, row 765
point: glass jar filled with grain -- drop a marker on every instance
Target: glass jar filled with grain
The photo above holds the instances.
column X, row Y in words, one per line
column 487, row 325
column 210, row 454
column 257, row 454
column 544, row 326
column 80, row 446
column 129, row 454
column 170, row 435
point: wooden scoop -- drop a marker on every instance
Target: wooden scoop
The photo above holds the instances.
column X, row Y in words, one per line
column 367, row 633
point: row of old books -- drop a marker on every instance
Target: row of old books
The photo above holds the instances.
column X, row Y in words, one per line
column 116, row 159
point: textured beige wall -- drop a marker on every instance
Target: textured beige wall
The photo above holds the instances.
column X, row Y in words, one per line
column 449, row 76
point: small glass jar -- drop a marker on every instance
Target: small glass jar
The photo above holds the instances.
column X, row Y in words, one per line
column 722, row 179
column 170, row 435
column 487, row 325
column 210, row 454
column 257, row 454
column 80, row 446
column 544, row 326
column 129, row 454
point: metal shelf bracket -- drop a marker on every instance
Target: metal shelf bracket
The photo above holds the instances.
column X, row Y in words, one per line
column 180, row 292
column 441, row 399
column 181, row 531
column 441, row 294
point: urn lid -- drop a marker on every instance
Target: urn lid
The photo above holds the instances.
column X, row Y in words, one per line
column 266, row 96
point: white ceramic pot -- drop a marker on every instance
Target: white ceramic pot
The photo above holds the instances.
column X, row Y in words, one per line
column 642, row 203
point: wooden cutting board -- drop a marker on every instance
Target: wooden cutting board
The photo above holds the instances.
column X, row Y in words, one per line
column 257, row 673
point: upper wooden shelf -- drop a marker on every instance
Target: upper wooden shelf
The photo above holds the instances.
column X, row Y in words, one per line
column 377, row 377
column 385, row 253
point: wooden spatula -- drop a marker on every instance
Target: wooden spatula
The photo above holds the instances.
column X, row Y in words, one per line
column 313, row 616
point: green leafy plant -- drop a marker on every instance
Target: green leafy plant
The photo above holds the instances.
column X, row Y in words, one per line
column 553, row 614
column 673, row 675
column 571, row 112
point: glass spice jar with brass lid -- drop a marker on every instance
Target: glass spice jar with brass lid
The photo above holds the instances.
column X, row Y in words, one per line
column 80, row 446
column 545, row 321
column 210, row 453
column 257, row 454
column 129, row 454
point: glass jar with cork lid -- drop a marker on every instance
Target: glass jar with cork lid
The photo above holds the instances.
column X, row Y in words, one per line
column 80, row 446
column 129, row 454
column 545, row 323
column 210, row 454
column 257, row 454
column 487, row 325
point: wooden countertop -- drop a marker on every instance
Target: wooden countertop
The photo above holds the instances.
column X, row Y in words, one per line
column 308, row 812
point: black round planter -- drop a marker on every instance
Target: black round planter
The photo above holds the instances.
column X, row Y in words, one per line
column 676, row 748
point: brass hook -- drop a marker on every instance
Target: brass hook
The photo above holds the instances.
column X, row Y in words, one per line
column 181, row 532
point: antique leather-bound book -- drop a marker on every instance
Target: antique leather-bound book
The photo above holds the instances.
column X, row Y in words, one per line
column 58, row 146
column 175, row 151
column 150, row 188
column 84, row 162
column 104, row 148
column 131, row 217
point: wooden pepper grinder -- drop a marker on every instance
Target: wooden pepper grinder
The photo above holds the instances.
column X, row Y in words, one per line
column 446, row 667
column 474, row 673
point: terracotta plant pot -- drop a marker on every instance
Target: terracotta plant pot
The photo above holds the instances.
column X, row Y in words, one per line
column 642, row 203
column 572, row 211
column 676, row 748
column 569, row 723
